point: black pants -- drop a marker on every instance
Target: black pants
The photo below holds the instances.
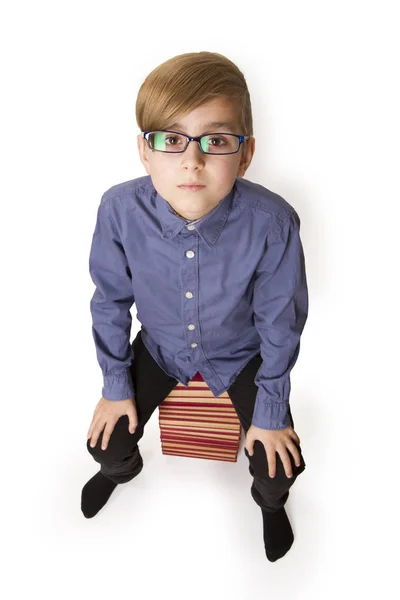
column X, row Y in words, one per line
column 121, row 460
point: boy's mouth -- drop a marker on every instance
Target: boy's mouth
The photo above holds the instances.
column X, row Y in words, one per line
column 191, row 187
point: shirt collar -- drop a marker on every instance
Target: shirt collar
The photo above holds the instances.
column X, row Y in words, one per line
column 210, row 225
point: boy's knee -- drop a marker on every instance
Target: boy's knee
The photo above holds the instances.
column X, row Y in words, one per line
column 119, row 445
column 106, row 457
column 260, row 466
column 97, row 452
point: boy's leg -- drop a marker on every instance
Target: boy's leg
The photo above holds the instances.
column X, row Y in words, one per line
column 270, row 493
column 121, row 460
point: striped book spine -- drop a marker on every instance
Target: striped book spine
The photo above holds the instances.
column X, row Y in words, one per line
column 194, row 423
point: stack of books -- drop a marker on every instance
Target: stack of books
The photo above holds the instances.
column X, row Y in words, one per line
column 194, row 423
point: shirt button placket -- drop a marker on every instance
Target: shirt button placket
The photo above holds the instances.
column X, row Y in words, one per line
column 191, row 254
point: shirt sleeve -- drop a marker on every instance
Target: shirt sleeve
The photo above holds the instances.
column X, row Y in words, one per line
column 110, row 307
column 280, row 312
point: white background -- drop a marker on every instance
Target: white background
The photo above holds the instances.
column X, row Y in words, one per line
column 323, row 78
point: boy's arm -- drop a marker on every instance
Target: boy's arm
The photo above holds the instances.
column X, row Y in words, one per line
column 280, row 304
column 110, row 307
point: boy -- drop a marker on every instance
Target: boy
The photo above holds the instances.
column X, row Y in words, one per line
column 216, row 267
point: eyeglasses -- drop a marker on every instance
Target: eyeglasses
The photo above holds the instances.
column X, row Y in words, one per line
column 175, row 142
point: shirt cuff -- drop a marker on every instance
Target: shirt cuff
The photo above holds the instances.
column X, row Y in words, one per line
column 271, row 416
column 118, row 386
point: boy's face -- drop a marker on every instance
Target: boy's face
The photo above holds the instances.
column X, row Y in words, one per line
column 216, row 172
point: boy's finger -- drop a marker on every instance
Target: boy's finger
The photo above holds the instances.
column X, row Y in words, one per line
column 106, row 437
column 293, row 437
column 296, row 455
column 271, row 457
column 287, row 465
column 96, row 433
column 92, row 427
column 107, row 434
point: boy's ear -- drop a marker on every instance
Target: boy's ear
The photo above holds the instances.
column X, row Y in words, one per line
column 247, row 154
column 141, row 142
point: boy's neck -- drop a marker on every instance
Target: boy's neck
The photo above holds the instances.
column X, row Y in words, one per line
column 192, row 218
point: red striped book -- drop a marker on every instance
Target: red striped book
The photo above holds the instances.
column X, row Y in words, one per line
column 194, row 423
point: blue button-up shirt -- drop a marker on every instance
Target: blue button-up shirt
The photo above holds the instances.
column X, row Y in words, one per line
column 210, row 294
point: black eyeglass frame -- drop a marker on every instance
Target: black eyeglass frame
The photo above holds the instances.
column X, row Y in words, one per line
column 197, row 139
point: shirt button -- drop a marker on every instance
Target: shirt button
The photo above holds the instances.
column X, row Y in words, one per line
column 191, row 327
column 189, row 295
column 193, row 345
column 190, row 253
column 190, row 227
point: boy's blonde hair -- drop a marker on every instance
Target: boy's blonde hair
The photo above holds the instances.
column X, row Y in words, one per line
column 180, row 84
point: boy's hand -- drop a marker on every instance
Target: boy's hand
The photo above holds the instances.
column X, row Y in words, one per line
column 107, row 412
column 275, row 441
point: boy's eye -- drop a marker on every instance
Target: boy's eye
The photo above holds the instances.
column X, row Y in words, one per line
column 170, row 140
column 210, row 139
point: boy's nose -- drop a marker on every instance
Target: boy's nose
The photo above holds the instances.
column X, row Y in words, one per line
column 193, row 153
